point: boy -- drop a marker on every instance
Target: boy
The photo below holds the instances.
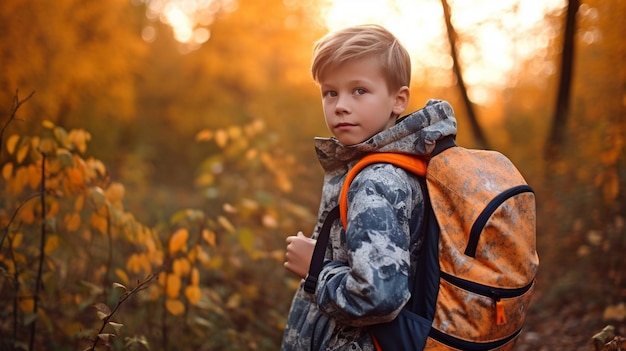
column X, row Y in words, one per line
column 364, row 75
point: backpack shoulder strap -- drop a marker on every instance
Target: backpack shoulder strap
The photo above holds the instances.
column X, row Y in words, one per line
column 410, row 163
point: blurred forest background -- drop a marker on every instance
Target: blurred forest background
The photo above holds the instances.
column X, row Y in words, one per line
column 154, row 155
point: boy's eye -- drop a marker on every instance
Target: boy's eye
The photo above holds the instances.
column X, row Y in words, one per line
column 359, row 91
column 329, row 93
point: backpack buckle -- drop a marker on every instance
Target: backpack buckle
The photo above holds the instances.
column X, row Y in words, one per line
column 310, row 282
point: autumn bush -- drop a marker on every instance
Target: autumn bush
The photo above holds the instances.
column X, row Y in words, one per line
column 78, row 271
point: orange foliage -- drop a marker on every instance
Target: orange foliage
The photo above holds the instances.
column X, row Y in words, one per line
column 175, row 307
column 72, row 221
column 181, row 267
column 178, row 241
column 173, row 286
column 52, row 242
column 193, row 294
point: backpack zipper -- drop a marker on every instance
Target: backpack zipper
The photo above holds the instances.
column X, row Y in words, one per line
column 492, row 206
column 496, row 294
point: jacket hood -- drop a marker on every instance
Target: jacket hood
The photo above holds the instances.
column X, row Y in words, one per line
column 416, row 133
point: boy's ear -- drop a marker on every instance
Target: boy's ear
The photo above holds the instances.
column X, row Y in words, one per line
column 401, row 100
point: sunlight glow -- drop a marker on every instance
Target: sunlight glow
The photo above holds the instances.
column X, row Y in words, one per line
column 496, row 36
column 188, row 19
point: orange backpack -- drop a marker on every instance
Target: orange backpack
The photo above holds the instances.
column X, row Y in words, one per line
column 476, row 270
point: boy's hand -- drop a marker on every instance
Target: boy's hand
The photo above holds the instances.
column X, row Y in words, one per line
column 298, row 255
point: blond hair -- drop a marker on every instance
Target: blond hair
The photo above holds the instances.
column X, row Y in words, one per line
column 359, row 42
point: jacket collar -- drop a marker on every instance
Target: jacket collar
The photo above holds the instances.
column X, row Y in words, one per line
column 416, row 133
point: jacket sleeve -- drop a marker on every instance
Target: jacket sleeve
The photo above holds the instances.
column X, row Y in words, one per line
column 372, row 285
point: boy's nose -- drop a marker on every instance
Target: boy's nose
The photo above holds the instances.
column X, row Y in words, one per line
column 342, row 106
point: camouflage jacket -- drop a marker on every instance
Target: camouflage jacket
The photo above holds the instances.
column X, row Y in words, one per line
column 367, row 269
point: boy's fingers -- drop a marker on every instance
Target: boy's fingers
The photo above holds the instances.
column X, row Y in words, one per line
column 292, row 237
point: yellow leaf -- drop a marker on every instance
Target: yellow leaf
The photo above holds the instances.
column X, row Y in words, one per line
column 162, row 279
column 34, row 143
column 115, row 192
column 51, row 244
column 205, row 180
column 193, row 294
column 246, row 240
column 97, row 166
column 178, row 240
column 615, row 312
column 22, row 152
column 181, row 267
column 19, row 258
column 76, row 177
column 97, row 197
column 79, row 138
column 26, row 305
column 203, row 257
column 192, row 256
column 228, row 208
column 17, row 183
column 174, row 307
column 145, row 263
column 33, row 172
column 234, row 132
column 48, row 146
column 251, row 154
column 48, row 124
column 98, row 222
column 61, row 135
column 27, row 213
column 221, row 138
column 12, row 143
column 79, row 203
column 72, row 221
column 7, row 170
column 195, row 276
column 204, row 135
column 53, row 209
column 225, row 223
column 216, row 262
column 173, row 285
column 72, row 328
column 122, row 275
column 133, row 264
column 17, row 240
column 283, row 182
column 234, row 301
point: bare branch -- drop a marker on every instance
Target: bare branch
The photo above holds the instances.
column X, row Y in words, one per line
column 128, row 293
column 16, row 106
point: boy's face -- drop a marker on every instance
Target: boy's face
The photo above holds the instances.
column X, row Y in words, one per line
column 357, row 103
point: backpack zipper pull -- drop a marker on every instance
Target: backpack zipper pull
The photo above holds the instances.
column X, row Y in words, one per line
column 500, row 316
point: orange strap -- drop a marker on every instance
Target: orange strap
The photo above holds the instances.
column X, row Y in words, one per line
column 375, row 341
column 410, row 163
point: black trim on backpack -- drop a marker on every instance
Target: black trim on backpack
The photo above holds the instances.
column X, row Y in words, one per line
column 492, row 206
column 485, row 290
column 470, row 345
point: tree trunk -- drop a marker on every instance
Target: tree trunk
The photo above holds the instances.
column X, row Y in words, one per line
column 554, row 143
column 479, row 137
